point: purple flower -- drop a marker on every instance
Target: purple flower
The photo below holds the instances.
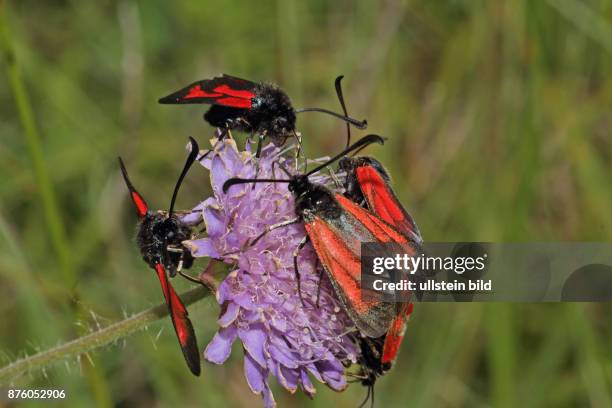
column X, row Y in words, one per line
column 259, row 301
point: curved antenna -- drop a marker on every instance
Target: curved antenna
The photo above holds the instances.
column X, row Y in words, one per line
column 356, row 152
column 338, row 85
column 364, row 141
column 358, row 124
column 195, row 149
column 360, row 144
column 137, row 199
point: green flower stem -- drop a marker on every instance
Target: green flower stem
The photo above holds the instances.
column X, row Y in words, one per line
column 96, row 339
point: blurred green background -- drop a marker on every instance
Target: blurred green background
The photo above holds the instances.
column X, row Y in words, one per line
column 498, row 116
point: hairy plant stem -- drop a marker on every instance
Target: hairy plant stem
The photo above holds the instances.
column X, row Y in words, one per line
column 96, row 339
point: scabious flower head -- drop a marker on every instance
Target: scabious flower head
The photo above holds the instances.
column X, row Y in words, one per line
column 260, row 304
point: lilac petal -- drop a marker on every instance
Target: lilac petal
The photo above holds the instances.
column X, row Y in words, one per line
column 336, row 384
column 209, row 202
column 279, row 324
column 268, row 397
column 309, row 389
column 231, row 157
column 230, row 315
column 315, row 372
column 224, row 290
column 205, row 156
column 332, row 375
column 215, row 221
column 220, row 347
column 289, row 378
column 219, row 172
column 254, row 374
column 203, row 247
column 238, row 191
column 331, row 368
column 282, row 357
column 253, row 340
column 245, row 300
column 193, row 217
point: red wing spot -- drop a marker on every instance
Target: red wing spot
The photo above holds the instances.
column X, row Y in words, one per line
column 382, row 231
column 343, row 265
column 234, row 102
column 372, row 180
column 226, row 90
column 383, row 202
column 180, row 318
column 139, row 202
column 198, row 92
column 182, row 324
column 409, row 309
column 394, row 339
column 177, row 309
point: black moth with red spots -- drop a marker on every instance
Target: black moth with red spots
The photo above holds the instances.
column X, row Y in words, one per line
column 256, row 108
column 160, row 236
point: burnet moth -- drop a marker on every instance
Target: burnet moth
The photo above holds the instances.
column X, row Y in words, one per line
column 256, row 108
column 159, row 238
column 337, row 227
column 378, row 354
column 367, row 183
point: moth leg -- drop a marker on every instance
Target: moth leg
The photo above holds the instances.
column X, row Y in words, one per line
column 334, row 178
column 190, row 278
column 168, row 265
column 222, row 134
column 179, row 268
column 249, row 140
column 296, row 252
column 229, row 133
column 272, row 228
column 298, row 138
column 262, row 135
column 372, row 347
column 367, row 398
column 357, row 377
column 206, row 277
column 273, row 170
column 167, row 261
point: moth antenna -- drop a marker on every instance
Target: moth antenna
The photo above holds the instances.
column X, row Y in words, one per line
column 190, row 159
column 283, row 168
column 357, row 123
column 364, row 141
column 338, row 85
column 361, row 143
